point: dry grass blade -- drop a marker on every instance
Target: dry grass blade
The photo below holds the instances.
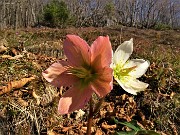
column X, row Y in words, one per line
column 15, row 85
column 10, row 57
column 6, row 56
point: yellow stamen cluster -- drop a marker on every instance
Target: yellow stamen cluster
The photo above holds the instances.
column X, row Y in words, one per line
column 86, row 74
column 120, row 72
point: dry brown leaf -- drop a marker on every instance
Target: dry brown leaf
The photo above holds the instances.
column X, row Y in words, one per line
column 2, row 48
column 142, row 115
column 105, row 126
column 14, row 51
column 131, row 100
column 22, row 102
column 65, row 129
column 17, row 93
column 50, row 132
column 172, row 95
column 3, row 113
column 98, row 132
column 145, row 124
column 126, row 109
column 84, row 129
column 15, row 85
column 36, row 97
column 124, row 96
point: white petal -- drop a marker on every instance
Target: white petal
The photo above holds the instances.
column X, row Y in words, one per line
column 141, row 67
column 123, row 52
column 132, row 86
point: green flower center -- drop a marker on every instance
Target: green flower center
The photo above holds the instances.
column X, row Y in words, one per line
column 86, row 75
column 120, row 72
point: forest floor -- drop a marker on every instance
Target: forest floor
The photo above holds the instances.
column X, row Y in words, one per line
column 28, row 103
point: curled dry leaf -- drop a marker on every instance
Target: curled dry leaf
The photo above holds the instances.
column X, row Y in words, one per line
column 36, row 97
column 107, row 110
column 105, row 126
column 17, row 93
column 145, row 124
column 14, row 51
column 15, row 85
column 172, row 95
column 98, row 132
column 84, row 129
column 123, row 97
column 22, row 102
column 65, row 129
column 51, row 132
column 126, row 108
column 2, row 48
column 3, row 113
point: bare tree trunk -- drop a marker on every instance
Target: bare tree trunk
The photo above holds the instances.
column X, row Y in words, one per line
column 19, row 13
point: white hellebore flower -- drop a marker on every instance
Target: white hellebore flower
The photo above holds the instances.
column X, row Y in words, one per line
column 127, row 71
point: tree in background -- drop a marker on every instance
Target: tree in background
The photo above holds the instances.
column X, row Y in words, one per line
column 82, row 13
column 20, row 13
column 56, row 14
column 109, row 11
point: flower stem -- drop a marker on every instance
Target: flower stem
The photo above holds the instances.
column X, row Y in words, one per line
column 92, row 113
column 90, row 118
column 98, row 105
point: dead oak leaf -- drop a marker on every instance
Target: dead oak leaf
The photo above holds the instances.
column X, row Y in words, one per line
column 15, row 85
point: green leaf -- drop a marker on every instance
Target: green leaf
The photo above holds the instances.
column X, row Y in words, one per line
column 141, row 132
column 132, row 124
column 136, row 129
column 147, row 132
column 125, row 133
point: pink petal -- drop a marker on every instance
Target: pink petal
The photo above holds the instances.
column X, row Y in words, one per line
column 74, row 99
column 103, row 84
column 77, row 50
column 101, row 51
column 65, row 79
column 57, row 75
column 53, row 71
column 97, row 63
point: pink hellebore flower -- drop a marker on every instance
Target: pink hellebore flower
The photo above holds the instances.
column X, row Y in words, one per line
column 86, row 70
